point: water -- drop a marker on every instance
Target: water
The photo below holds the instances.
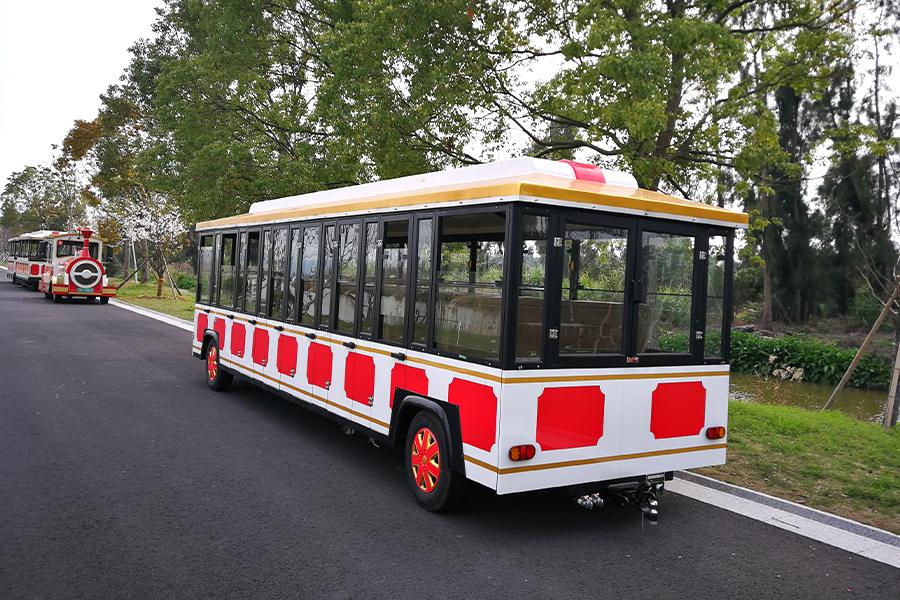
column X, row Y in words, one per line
column 865, row 405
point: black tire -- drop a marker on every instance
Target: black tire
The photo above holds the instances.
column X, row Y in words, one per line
column 48, row 295
column 57, row 298
column 434, row 484
column 216, row 377
column 104, row 299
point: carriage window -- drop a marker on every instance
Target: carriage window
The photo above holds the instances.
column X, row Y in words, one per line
column 529, row 320
column 423, row 282
column 204, row 267
column 394, row 266
column 226, row 291
column 265, row 257
column 715, row 296
column 292, row 275
column 279, row 260
column 592, row 312
column 214, row 273
column 240, row 266
column 73, row 248
column 667, row 269
column 467, row 312
column 371, row 265
column 348, row 264
column 309, row 271
column 327, row 278
column 251, row 272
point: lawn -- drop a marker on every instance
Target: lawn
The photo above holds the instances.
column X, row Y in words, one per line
column 144, row 295
column 825, row 460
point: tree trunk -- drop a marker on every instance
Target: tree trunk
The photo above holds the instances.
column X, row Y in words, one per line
column 145, row 268
column 767, row 297
column 159, row 286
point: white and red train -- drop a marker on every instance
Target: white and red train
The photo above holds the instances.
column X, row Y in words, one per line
column 525, row 324
column 60, row 264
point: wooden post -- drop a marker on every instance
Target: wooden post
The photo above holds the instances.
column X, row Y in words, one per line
column 892, row 395
column 864, row 347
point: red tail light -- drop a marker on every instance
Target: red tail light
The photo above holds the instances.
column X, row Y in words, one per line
column 715, row 433
column 524, row 452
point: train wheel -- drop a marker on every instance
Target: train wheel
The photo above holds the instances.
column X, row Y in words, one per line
column 48, row 295
column 434, row 484
column 216, row 377
column 57, row 298
column 104, row 299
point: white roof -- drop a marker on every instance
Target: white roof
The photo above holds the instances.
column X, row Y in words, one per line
column 476, row 174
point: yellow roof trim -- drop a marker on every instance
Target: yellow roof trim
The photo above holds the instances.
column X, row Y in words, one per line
column 541, row 187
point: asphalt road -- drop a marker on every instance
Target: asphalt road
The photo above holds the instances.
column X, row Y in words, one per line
column 123, row 476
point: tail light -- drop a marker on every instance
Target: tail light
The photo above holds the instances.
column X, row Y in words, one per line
column 715, row 433
column 524, row 452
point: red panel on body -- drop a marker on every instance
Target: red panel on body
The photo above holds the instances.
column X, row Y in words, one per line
column 570, row 417
column 220, row 329
column 408, row 378
column 260, row 346
column 287, row 355
column 34, row 270
column 238, row 335
column 679, row 409
column 359, row 381
column 202, row 325
column 318, row 365
column 477, row 412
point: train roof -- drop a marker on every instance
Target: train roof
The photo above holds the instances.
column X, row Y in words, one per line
column 46, row 234
column 559, row 183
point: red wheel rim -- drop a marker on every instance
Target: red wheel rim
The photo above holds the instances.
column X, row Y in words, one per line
column 425, row 460
column 212, row 365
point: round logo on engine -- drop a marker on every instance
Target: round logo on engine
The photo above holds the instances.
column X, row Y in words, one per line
column 86, row 274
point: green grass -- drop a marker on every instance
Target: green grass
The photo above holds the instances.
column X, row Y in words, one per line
column 825, row 460
column 144, row 295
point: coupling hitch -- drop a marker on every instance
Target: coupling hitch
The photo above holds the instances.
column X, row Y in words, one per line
column 642, row 496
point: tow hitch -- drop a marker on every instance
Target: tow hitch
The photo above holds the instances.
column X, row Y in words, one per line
column 643, row 496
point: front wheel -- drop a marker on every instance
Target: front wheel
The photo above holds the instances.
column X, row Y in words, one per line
column 434, row 484
column 216, row 377
column 104, row 299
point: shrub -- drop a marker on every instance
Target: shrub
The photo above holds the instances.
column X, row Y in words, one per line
column 821, row 363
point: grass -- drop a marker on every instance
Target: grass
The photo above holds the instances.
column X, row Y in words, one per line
column 144, row 295
column 825, row 460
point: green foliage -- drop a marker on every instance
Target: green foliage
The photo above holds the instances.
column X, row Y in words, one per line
column 865, row 308
column 821, row 363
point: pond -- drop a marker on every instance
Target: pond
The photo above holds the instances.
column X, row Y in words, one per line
column 865, row 405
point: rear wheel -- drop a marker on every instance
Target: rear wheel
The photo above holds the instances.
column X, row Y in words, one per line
column 434, row 484
column 216, row 377
column 104, row 299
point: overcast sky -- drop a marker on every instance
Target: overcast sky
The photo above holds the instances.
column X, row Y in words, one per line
column 56, row 58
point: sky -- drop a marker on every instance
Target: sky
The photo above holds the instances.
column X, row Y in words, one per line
column 56, row 58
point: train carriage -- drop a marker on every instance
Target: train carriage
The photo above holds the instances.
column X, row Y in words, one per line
column 27, row 255
column 525, row 324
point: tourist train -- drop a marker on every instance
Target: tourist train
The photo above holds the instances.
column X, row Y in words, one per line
column 524, row 324
column 60, row 264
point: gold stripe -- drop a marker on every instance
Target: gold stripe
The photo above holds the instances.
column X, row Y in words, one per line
column 542, row 187
column 623, row 377
column 306, row 393
column 593, row 461
column 460, row 370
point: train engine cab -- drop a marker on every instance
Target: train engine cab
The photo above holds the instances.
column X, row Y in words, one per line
column 74, row 268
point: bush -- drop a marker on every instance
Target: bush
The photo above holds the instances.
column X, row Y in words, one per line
column 184, row 280
column 821, row 363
